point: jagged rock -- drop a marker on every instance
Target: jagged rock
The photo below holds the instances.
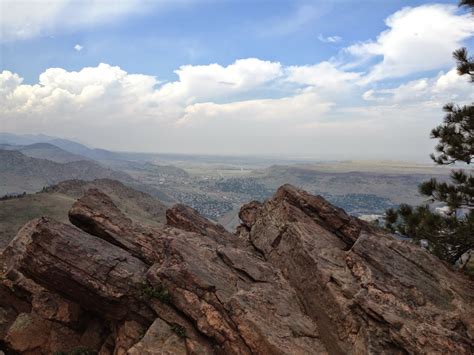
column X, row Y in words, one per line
column 249, row 214
column 10, row 307
column 53, row 307
column 225, row 299
column 300, row 277
column 204, row 284
column 188, row 219
column 85, row 269
column 368, row 291
column 32, row 334
column 160, row 339
column 96, row 214
column 127, row 334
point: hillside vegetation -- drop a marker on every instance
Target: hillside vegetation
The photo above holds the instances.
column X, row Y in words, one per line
column 56, row 201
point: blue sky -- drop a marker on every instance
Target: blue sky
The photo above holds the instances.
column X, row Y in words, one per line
column 159, row 40
column 306, row 74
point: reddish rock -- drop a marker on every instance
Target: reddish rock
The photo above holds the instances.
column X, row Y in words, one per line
column 10, row 307
column 249, row 213
column 53, row 307
column 226, row 299
column 160, row 339
column 32, row 334
column 188, row 219
column 127, row 334
column 301, row 277
column 85, row 269
column 368, row 292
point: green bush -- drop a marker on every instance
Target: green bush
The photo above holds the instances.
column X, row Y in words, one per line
column 179, row 330
column 158, row 291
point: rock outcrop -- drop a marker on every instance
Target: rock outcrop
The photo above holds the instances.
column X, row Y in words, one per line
column 298, row 277
column 369, row 292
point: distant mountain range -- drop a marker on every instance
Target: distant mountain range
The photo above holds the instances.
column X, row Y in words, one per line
column 30, row 162
column 101, row 155
column 72, row 147
column 45, row 151
column 20, row 172
column 215, row 186
column 114, row 158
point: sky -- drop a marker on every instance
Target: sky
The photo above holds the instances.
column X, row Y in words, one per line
column 340, row 79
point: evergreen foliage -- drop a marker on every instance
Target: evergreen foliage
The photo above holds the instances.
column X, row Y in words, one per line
column 450, row 234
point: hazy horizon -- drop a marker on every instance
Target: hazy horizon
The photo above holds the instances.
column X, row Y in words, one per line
column 296, row 158
column 244, row 78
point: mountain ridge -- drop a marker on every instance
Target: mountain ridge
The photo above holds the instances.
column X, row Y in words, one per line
column 298, row 276
column 46, row 151
column 33, row 173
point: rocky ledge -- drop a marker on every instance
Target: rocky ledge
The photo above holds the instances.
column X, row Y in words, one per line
column 298, row 277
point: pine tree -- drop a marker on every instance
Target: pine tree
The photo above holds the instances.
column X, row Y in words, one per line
column 449, row 235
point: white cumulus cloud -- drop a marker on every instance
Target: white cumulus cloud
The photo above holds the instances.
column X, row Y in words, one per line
column 205, row 82
column 442, row 88
column 271, row 107
column 104, row 91
column 323, row 75
column 300, row 107
column 417, row 39
column 215, row 104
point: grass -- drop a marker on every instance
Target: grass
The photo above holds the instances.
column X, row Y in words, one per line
column 16, row 212
column 179, row 330
column 148, row 291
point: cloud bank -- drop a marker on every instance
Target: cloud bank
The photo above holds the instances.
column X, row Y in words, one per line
column 259, row 106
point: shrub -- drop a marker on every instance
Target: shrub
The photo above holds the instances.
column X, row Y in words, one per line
column 179, row 330
column 158, row 291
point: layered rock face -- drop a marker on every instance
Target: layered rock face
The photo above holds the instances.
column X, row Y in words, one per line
column 298, row 277
column 368, row 292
